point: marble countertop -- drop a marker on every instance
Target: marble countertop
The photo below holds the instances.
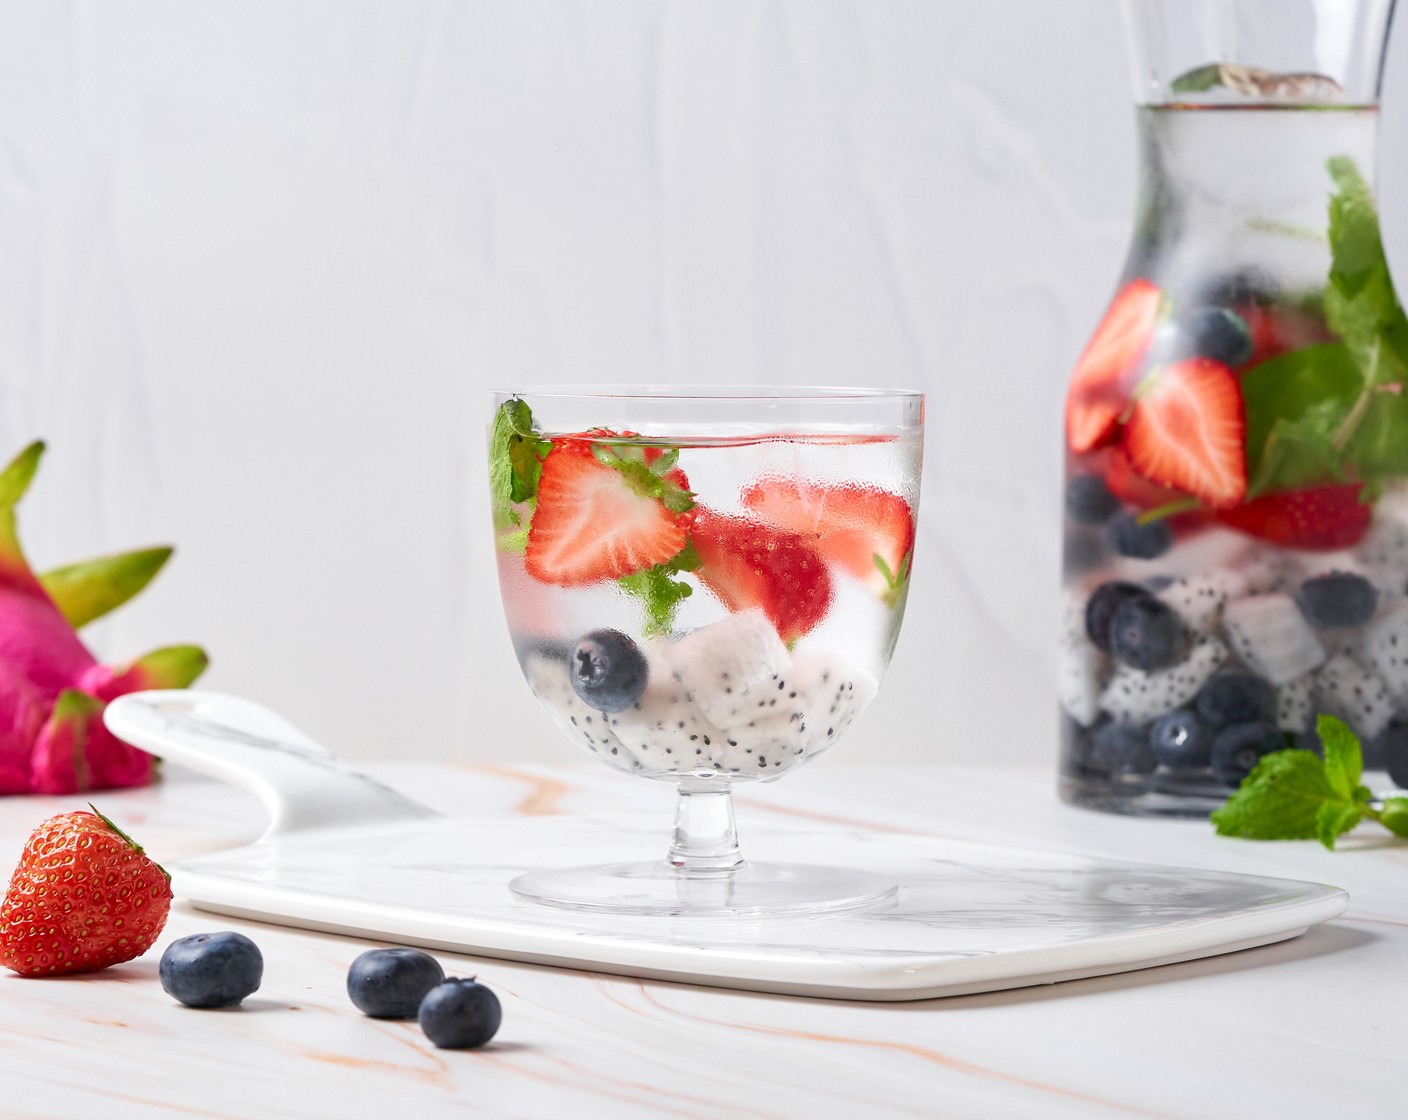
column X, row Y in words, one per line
column 1300, row 1028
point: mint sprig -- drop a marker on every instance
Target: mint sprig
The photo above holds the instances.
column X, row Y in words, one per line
column 1337, row 412
column 661, row 591
column 1296, row 795
column 516, row 453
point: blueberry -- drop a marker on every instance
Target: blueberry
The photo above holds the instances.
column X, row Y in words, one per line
column 1237, row 696
column 1391, row 747
column 1142, row 542
column 460, row 1014
column 608, row 671
column 1181, row 740
column 1219, row 334
column 1146, row 633
column 390, row 983
column 1239, row 746
column 1122, row 748
column 1337, row 599
column 211, row 969
column 1101, row 606
column 1089, row 501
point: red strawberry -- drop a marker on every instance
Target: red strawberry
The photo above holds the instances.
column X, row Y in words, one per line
column 1099, row 391
column 1326, row 517
column 595, row 521
column 748, row 564
column 84, row 896
column 863, row 529
column 1185, row 430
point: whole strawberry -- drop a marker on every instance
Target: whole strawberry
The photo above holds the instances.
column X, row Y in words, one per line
column 84, row 896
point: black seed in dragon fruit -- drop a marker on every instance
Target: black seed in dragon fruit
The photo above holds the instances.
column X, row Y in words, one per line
column 724, row 666
column 1269, row 633
column 803, row 713
column 1355, row 693
column 1136, row 696
column 665, row 730
column 550, row 679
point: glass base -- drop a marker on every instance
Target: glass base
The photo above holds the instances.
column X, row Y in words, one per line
column 754, row 890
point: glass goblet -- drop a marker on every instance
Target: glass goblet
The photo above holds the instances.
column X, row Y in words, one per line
column 704, row 586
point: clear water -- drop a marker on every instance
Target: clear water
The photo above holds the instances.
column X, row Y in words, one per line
column 684, row 724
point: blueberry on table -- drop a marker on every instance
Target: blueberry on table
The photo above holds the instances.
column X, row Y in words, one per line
column 1089, row 501
column 1181, row 740
column 211, row 969
column 1337, row 599
column 1238, row 747
column 390, row 983
column 1236, row 696
column 1122, row 749
column 608, row 671
column 460, row 1014
column 1140, row 542
column 1101, row 606
column 1146, row 633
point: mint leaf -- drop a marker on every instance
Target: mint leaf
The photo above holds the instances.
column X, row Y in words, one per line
column 1344, row 760
column 516, row 452
column 1332, row 820
column 1279, row 800
column 1394, row 815
column 1200, row 80
column 660, row 591
column 1295, row 403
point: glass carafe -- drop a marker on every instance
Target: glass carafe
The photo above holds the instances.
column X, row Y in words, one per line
column 1236, row 430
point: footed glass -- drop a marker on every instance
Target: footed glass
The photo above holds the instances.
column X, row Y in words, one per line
column 704, row 587
column 1236, row 430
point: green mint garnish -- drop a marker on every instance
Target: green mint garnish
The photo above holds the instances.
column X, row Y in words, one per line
column 1295, row 795
column 660, row 591
column 1337, row 411
column 516, row 453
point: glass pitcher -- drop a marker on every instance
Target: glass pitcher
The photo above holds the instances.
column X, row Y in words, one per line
column 1236, row 430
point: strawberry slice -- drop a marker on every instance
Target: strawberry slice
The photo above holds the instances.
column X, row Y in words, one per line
column 1325, row 517
column 1098, row 393
column 1185, row 430
column 1125, row 483
column 748, row 564
column 604, row 511
column 864, row 530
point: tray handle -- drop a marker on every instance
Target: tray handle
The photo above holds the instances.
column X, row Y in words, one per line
column 303, row 785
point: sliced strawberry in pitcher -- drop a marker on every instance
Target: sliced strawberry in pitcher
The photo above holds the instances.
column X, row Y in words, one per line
column 1099, row 390
column 604, row 512
column 867, row 531
column 1186, row 430
column 749, row 564
column 1325, row 517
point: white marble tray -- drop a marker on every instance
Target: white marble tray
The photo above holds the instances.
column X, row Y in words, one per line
column 346, row 854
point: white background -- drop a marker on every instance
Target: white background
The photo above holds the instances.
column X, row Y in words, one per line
column 259, row 263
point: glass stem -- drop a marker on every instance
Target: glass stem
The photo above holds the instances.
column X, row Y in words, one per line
column 705, row 840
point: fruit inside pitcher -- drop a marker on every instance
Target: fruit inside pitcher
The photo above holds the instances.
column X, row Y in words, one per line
column 1236, row 500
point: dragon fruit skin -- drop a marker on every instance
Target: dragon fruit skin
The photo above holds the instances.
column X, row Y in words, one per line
column 52, row 689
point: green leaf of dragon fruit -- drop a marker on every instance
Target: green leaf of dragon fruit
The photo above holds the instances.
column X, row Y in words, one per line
column 91, row 588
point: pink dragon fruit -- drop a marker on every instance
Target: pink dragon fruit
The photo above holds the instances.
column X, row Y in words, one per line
column 52, row 689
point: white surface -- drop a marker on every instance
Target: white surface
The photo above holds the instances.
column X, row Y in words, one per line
column 1303, row 1029
column 346, row 854
column 258, row 261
